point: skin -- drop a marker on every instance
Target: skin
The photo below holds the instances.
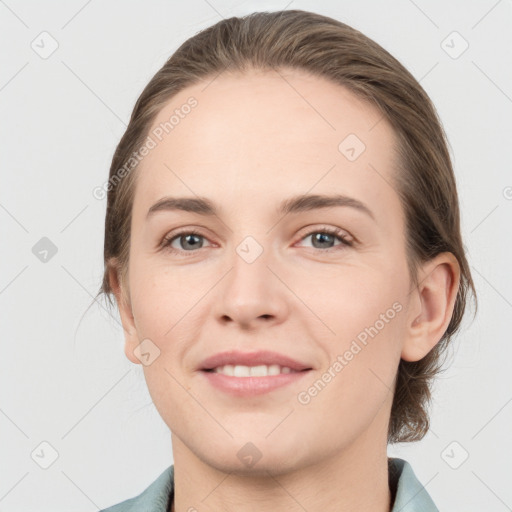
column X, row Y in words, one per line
column 252, row 141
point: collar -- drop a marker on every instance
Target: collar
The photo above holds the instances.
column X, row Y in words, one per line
column 409, row 494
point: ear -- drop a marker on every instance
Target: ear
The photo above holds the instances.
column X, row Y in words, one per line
column 432, row 305
column 122, row 295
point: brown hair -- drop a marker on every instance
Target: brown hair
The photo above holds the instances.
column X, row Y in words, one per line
column 330, row 49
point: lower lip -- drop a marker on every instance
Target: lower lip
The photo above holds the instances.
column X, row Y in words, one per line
column 251, row 386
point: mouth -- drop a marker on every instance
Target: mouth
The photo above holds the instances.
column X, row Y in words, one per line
column 261, row 370
column 246, row 374
column 252, row 381
column 246, row 364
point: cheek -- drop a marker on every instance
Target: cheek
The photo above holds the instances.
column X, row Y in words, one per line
column 168, row 306
column 353, row 296
column 364, row 311
column 160, row 298
column 358, row 379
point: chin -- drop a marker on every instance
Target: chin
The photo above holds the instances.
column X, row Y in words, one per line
column 255, row 458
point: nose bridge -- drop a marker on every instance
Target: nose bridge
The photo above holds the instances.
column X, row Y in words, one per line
column 250, row 289
column 250, row 275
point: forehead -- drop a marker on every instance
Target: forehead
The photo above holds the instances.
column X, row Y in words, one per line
column 262, row 134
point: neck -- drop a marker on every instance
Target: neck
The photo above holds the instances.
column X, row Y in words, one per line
column 355, row 479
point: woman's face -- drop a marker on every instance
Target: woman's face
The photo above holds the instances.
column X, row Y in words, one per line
column 257, row 277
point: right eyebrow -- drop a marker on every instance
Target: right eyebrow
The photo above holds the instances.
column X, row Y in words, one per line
column 200, row 205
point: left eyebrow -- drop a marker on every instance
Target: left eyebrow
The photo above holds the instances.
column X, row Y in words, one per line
column 309, row 202
column 293, row 205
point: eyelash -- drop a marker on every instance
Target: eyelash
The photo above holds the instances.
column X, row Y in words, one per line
column 338, row 233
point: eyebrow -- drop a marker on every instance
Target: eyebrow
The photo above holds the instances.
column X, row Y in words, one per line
column 293, row 205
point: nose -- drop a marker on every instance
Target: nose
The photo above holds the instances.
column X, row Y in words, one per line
column 252, row 292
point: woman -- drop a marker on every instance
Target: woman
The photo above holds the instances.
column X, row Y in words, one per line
column 282, row 240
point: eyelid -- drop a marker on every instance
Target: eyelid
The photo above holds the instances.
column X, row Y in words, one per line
column 320, row 228
column 165, row 244
column 345, row 237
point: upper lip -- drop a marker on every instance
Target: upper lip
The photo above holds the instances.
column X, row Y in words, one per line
column 261, row 357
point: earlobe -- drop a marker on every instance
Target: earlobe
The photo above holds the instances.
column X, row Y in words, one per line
column 438, row 284
column 125, row 310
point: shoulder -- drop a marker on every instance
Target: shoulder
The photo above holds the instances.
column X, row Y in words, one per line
column 154, row 498
column 410, row 494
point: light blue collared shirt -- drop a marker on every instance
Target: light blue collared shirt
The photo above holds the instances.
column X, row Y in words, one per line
column 410, row 496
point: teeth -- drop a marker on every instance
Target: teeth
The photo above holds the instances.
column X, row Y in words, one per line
column 253, row 371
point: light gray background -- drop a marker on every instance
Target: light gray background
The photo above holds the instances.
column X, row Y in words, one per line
column 64, row 377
